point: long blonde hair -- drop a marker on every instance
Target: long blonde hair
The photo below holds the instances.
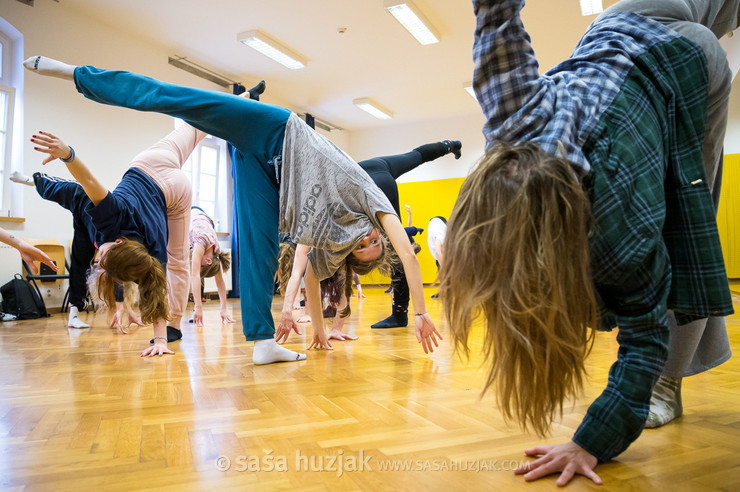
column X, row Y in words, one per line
column 130, row 261
column 516, row 252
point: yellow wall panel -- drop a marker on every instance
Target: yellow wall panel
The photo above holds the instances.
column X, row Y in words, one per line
column 728, row 215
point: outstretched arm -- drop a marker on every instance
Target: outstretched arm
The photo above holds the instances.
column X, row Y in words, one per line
column 426, row 332
column 287, row 323
column 506, row 77
column 28, row 253
column 197, row 256
column 221, row 288
column 56, row 149
column 313, row 300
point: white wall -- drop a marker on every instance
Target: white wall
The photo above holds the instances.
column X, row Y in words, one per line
column 400, row 139
column 732, row 137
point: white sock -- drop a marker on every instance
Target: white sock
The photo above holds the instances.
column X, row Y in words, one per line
column 74, row 320
column 268, row 351
column 665, row 402
column 49, row 66
column 19, row 177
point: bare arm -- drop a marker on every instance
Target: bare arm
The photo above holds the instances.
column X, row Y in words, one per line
column 400, row 240
column 198, row 252
column 287, row 322
column 426, row 332
column 49, row 144
column 296, row 274
column 313, row 299
column 337, row 324
column 160, row 340
column 221, row 288
column 28, row 253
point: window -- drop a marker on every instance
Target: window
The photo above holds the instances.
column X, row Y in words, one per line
column 7, row 120
column 208, row 171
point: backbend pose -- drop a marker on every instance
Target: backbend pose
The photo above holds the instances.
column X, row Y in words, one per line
column 288, row 178
column 383, row 171
column 626, row 135
column 207, row 260
column 142, row 227
column 71, row 196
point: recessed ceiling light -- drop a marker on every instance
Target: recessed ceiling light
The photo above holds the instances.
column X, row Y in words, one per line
column 413, row 20
column 373, row 107
column 591, row 7
column 272, row 48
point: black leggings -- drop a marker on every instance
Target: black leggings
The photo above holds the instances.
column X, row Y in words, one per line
column 70, row 195
column 384, row 171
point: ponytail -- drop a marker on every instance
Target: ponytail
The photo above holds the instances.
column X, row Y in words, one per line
column 129, row 261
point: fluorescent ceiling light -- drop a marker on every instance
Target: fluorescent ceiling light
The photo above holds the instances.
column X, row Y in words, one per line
column 374, row 108
column 413, row 20
column 468, row 86
column 591, row 7
column 272, row 48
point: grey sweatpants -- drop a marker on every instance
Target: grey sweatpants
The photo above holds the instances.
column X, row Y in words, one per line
column 702, row 344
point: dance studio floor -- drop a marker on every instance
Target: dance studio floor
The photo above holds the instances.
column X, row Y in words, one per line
column 80, row 410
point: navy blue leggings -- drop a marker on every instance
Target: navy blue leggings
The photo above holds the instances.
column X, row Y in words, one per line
column 70, row 195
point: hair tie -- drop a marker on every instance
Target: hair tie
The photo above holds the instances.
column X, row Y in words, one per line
column 70, row 157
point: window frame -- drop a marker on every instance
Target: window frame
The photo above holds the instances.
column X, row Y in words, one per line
column 8, row 120
column 222, row 215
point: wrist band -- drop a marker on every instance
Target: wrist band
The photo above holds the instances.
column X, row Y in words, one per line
column 163, row 338
column 419, row 314
column 71, row 156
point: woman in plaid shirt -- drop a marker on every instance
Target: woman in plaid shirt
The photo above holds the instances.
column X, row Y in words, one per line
column 596, row 186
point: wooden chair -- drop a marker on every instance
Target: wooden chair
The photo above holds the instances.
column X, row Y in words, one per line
column 46, row 275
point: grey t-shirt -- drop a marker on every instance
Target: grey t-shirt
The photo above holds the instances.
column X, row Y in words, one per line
column 327, row 201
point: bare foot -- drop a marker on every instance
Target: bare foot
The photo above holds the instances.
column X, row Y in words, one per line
column 304, row 319
column 338, row 335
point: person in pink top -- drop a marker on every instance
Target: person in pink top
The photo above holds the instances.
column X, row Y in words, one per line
column 207, row 260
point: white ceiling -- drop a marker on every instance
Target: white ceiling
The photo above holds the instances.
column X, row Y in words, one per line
column 375, row 57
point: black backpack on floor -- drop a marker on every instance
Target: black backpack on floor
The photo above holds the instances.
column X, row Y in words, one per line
column 22, row 300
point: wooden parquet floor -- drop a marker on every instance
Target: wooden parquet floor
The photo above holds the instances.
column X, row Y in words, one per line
column 80, row 410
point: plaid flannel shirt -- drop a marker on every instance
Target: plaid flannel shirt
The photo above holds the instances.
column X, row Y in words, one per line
column 629, row 106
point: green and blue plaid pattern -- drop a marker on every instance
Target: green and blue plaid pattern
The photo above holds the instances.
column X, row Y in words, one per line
column 630, row 107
